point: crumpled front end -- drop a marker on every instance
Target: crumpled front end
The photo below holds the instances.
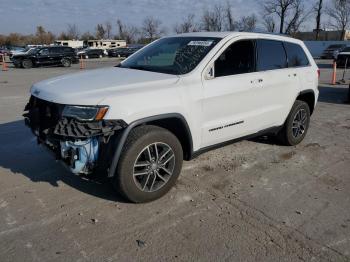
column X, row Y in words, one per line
column 81, row 145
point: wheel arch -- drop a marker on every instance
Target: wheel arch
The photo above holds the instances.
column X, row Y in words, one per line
column 308, row 96
column 174, row 122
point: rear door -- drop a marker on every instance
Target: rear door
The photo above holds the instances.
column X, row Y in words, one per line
column 280, row 82
column 300, row 65
column 56, row 55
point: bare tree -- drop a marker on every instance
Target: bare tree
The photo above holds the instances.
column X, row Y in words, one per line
column 151, row 28
column 72, row 31
column 108, row 27
column 269, row 23
column 318, row 9
column 247, row 23
column 41, row 36
column 297, row 17
column 279, row 8
column 339, row 13
column 213, row 20
column 128, row 33
column 290, row 13
column 230, row 21
column 100, row 31
column 188, row 25
column 87, row 36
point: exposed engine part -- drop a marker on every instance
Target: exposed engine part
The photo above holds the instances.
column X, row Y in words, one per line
column 81, row 156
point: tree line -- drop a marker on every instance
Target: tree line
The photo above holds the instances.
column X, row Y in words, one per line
column 280, row 16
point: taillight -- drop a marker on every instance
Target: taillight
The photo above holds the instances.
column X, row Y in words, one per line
column 318, row 73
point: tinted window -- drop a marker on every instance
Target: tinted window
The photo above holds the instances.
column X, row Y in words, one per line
column 44, row 51
column 271, row 55
column 334, row 46
column 296, row 55
column 55, row 50
column 238, row 58
column 68, row 50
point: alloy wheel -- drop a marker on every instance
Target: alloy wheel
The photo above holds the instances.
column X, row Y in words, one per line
column 299, row 123
column 153, row 167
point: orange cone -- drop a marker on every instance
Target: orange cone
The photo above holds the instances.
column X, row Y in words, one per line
column 4, row 65
column 82, row 63
column 334, row 75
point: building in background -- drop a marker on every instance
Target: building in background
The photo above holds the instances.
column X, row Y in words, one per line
column 104, row 43
column 70, row 43
column 324, row 35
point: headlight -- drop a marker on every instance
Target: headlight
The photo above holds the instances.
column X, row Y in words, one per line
column 85, row 113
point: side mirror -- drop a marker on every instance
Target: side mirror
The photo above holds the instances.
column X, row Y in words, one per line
column 209, row 73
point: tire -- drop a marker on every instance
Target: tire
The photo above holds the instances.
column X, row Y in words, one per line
column 66, row 62
column 27, row 63
column 292, row 134
column 155, row 181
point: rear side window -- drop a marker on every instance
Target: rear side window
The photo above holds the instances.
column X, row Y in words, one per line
column 296, row 55
column 68, row 50
column 55, row 50
column 271, row 55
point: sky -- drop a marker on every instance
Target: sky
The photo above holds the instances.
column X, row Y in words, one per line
column 22, row 16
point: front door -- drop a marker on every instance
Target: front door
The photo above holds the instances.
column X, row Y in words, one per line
column 43, row 57
column 231, row 105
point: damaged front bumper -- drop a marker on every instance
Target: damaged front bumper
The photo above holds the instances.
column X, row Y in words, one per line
column 83, row 146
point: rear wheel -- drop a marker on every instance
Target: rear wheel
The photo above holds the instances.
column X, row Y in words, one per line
column 150, row 164
column 27, row 63
column 66, row 62
column 296, row 125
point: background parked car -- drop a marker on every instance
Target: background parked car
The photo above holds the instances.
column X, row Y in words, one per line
column 91, row 53
column 50, row 55
column 344, row 57
column 123, row 51
column 332, row 51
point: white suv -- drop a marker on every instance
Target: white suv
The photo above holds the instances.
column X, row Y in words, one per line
column 172, row 100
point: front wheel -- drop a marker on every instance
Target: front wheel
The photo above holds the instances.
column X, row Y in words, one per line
column 296, row 125
column 150, row 164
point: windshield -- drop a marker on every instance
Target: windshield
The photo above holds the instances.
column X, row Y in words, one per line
column 174, row 55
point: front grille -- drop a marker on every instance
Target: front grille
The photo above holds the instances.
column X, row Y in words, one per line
column 42, row 116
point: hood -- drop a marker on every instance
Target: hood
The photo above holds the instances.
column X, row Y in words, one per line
column 92, row 86
column 14, row 56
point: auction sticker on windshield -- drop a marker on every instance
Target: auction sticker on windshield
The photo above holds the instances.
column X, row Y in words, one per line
column 201, row 43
